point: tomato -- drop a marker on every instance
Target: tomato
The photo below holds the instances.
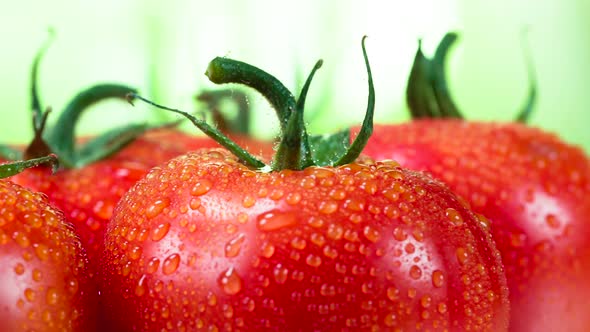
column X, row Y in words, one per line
column 535, row 190
column 43, row 267
column 212, row 241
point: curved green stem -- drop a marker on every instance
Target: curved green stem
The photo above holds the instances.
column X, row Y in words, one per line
column 35, row 100
column 524, row 115
column 224, row 70
column 13, row 168
column 366, row 130
column 219, row 137
column 62, row 137
column 294, row 151
column 446, row 105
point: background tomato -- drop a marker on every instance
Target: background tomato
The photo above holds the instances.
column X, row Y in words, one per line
column 45, row 284
column 532, row 186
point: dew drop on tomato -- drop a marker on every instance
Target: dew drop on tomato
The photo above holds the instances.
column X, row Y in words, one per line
column 275, row 220
column 230, row 282
column 170, row 264
column 160, row 231
column 234, row 246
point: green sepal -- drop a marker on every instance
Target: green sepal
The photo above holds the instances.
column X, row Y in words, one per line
column 61, row 137
column 446, row 106
column 366, row 130
column 294, row 150
column 9, row 153
column 419, row 93
column 13, row 168
column 328, row 148
column 247, row 158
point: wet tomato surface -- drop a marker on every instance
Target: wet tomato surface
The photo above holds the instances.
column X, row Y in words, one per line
column 205, row 243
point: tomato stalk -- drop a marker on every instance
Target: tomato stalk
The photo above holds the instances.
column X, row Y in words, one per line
column 13, row 168
column 296, row 150
column 427, row 92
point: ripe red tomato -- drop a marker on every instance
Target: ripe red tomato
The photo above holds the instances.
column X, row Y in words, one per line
column 205, row 242
column 532, row 186
column 535, row 190
column 43, row 267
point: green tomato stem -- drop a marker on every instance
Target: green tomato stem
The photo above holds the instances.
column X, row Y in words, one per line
column 366, row 130
column 247, row 158
column 294, row 151
column 13, row 168
column 224, row 70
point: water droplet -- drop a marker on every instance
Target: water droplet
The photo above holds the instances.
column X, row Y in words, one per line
column 442, row 308
column 135, row 252
column 201, row 187
column 454, row 216
column 293, row 198
column 327, row 207
column 170, row 264
column 335, row 231
column 152, row 265
column 426, row 301
column 30, row 295
column 313, row 260
column 157, row 207
column 415, row 272
column 399, row 234
column 317, row 239
column 410, row 248
column 233, row 247
column 393, row 294
column 371, row 233
column 248, row 201
column 298, row 243
column 438, row 278
column 52, row 296
column 160, row 231
column 21, row 239
column 275, row 220
column 267, row 250
column 37, row 275
column 19, row 269
column 42, row 251
column 280, row 273
column 140, row 287
column 230, row 282
column 462, row 255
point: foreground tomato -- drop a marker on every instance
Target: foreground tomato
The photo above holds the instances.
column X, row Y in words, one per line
column 214, row 242
column 535, row 190
column 43, row 268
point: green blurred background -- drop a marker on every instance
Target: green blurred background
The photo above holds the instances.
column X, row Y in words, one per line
column 163, row 47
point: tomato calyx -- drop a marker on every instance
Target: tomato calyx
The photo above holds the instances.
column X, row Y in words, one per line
column 296, row 149
column 13, row 168
column 60, row 138
column 427, row 92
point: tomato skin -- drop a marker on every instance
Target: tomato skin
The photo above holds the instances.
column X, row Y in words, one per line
column 205, row 243
column 535, row 190
column 43, row 268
